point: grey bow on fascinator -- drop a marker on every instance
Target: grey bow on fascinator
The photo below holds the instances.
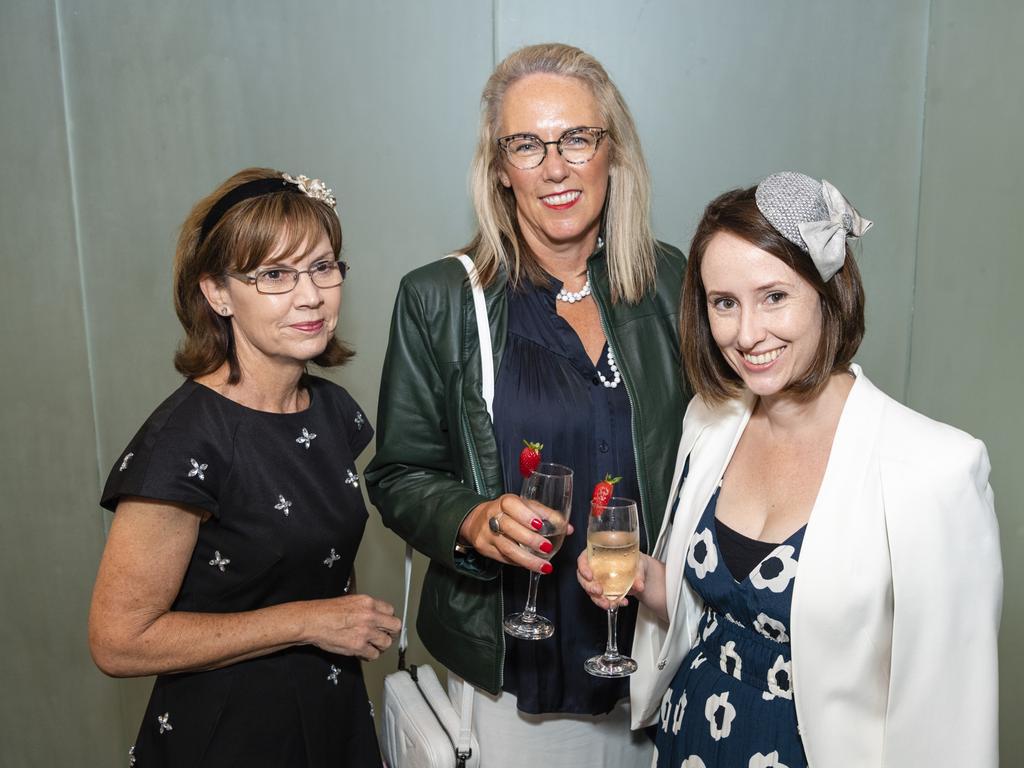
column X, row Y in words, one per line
column 812, row 215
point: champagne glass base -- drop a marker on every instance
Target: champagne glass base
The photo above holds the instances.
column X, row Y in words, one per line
column 610, row 665
column 528, row 626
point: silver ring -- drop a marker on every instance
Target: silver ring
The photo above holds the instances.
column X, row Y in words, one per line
column 494, row 523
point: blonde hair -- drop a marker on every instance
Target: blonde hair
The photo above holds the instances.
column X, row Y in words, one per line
column 245, row 236
column 629, row 241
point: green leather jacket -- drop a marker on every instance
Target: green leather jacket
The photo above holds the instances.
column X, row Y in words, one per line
column 437, row 457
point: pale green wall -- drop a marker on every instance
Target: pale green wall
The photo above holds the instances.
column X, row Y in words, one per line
column 117, row 115
column 966, row 365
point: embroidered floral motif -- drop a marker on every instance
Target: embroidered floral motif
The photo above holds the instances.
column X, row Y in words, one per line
column 306, row 438
column 165, row 722
column 666, row 709
column 124, row 466
column 770, row 628
column 770, row 760
column 730, row 661
column 359, row 420
column 331, row 558
column 720, row 714
column 131, row 756
column 219, row 562
column 775, row 571
column 702, row 555
column 779, row 681
column 731, row 620
column 333, row 674
column 677, row 720
column 352, row 479
column 197, row 469
column 283, row 505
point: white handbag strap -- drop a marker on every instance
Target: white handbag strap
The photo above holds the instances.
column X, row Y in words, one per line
column 462, row 745
column 484, row 332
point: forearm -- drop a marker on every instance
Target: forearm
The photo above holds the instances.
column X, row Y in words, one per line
column 179, row 641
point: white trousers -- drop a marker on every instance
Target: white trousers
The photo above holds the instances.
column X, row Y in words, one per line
column 512, row 739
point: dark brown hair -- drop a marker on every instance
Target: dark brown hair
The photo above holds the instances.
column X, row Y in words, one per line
column 842, row 302
column 247, row 235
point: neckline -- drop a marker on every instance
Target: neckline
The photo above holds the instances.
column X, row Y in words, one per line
column 712, row 505
column 306, row 383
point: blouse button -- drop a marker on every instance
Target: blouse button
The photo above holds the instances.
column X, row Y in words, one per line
column 603, row 446
column 595, row 381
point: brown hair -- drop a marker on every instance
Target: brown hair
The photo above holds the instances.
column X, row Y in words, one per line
column 246, row 235
column 842, row 302
column 498, row 243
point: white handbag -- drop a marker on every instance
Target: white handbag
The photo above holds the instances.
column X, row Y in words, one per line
column 421, row 727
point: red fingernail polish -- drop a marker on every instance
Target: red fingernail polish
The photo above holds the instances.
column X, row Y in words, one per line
column 545, row 547
column 536, row 524
column 546, row 568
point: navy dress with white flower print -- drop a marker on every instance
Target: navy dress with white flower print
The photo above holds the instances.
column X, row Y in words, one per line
column 284, row 519
column 730, row 704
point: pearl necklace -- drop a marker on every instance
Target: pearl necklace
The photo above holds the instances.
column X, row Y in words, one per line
column 571, row 297
column 616, row 376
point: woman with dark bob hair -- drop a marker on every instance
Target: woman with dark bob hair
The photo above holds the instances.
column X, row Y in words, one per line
column 581, row 308
column 827, row 586
column 228, row 569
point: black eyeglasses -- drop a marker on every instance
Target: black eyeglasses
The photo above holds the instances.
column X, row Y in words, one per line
column 324, row 274
column 577, row 146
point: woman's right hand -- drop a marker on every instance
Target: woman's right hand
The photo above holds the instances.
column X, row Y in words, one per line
column 352, row 625
column 585, row 576
column 518, row 525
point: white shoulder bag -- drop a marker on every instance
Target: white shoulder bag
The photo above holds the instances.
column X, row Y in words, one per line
column 421, row 727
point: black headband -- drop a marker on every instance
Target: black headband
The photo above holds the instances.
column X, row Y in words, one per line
column 250, row 189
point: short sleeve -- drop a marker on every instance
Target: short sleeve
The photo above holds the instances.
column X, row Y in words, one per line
column 182, row 454
column 354, row 421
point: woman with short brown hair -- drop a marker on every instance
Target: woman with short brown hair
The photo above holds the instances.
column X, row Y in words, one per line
column 228, row 569
column 829, row 556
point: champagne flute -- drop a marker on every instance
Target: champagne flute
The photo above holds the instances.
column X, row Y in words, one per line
column 548, row 494
column 613, row 548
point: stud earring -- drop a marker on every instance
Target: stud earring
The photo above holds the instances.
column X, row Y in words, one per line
column 224, row 311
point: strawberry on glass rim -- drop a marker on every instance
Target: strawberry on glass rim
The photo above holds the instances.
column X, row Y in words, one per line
column 603, row 492
column 529, row 458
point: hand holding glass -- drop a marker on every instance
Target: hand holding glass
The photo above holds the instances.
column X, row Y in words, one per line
column 548, row 494
column 613, row 550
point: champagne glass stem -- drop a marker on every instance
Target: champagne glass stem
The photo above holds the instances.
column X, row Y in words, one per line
column 530, row 611
column 613, row 641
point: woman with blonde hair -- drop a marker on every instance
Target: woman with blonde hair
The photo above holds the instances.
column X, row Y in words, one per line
column 581, row 309
column 228, row 569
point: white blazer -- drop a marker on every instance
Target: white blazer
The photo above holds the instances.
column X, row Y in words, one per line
column 898, row 592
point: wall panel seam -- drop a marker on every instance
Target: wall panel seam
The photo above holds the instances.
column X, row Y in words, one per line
column 77, row 227
column 920, row 206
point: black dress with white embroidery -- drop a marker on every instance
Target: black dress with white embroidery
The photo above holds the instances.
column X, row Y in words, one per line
column 285, row 519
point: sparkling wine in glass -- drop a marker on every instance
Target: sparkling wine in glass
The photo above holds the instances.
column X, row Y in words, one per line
column 548, row 494
column 613, row 548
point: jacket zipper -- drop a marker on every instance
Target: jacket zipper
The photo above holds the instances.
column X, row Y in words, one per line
column 632, row 410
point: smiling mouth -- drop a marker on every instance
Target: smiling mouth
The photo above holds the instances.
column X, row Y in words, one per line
column 312, row 327
column 562, row 199
column 764, row 358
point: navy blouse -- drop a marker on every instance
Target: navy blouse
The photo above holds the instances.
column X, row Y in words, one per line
column 547, row 390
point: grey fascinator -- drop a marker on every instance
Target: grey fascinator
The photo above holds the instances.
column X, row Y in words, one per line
column 813, row 215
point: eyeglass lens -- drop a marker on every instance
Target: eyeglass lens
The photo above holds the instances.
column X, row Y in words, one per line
column 324, row 274
column 576, row 146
